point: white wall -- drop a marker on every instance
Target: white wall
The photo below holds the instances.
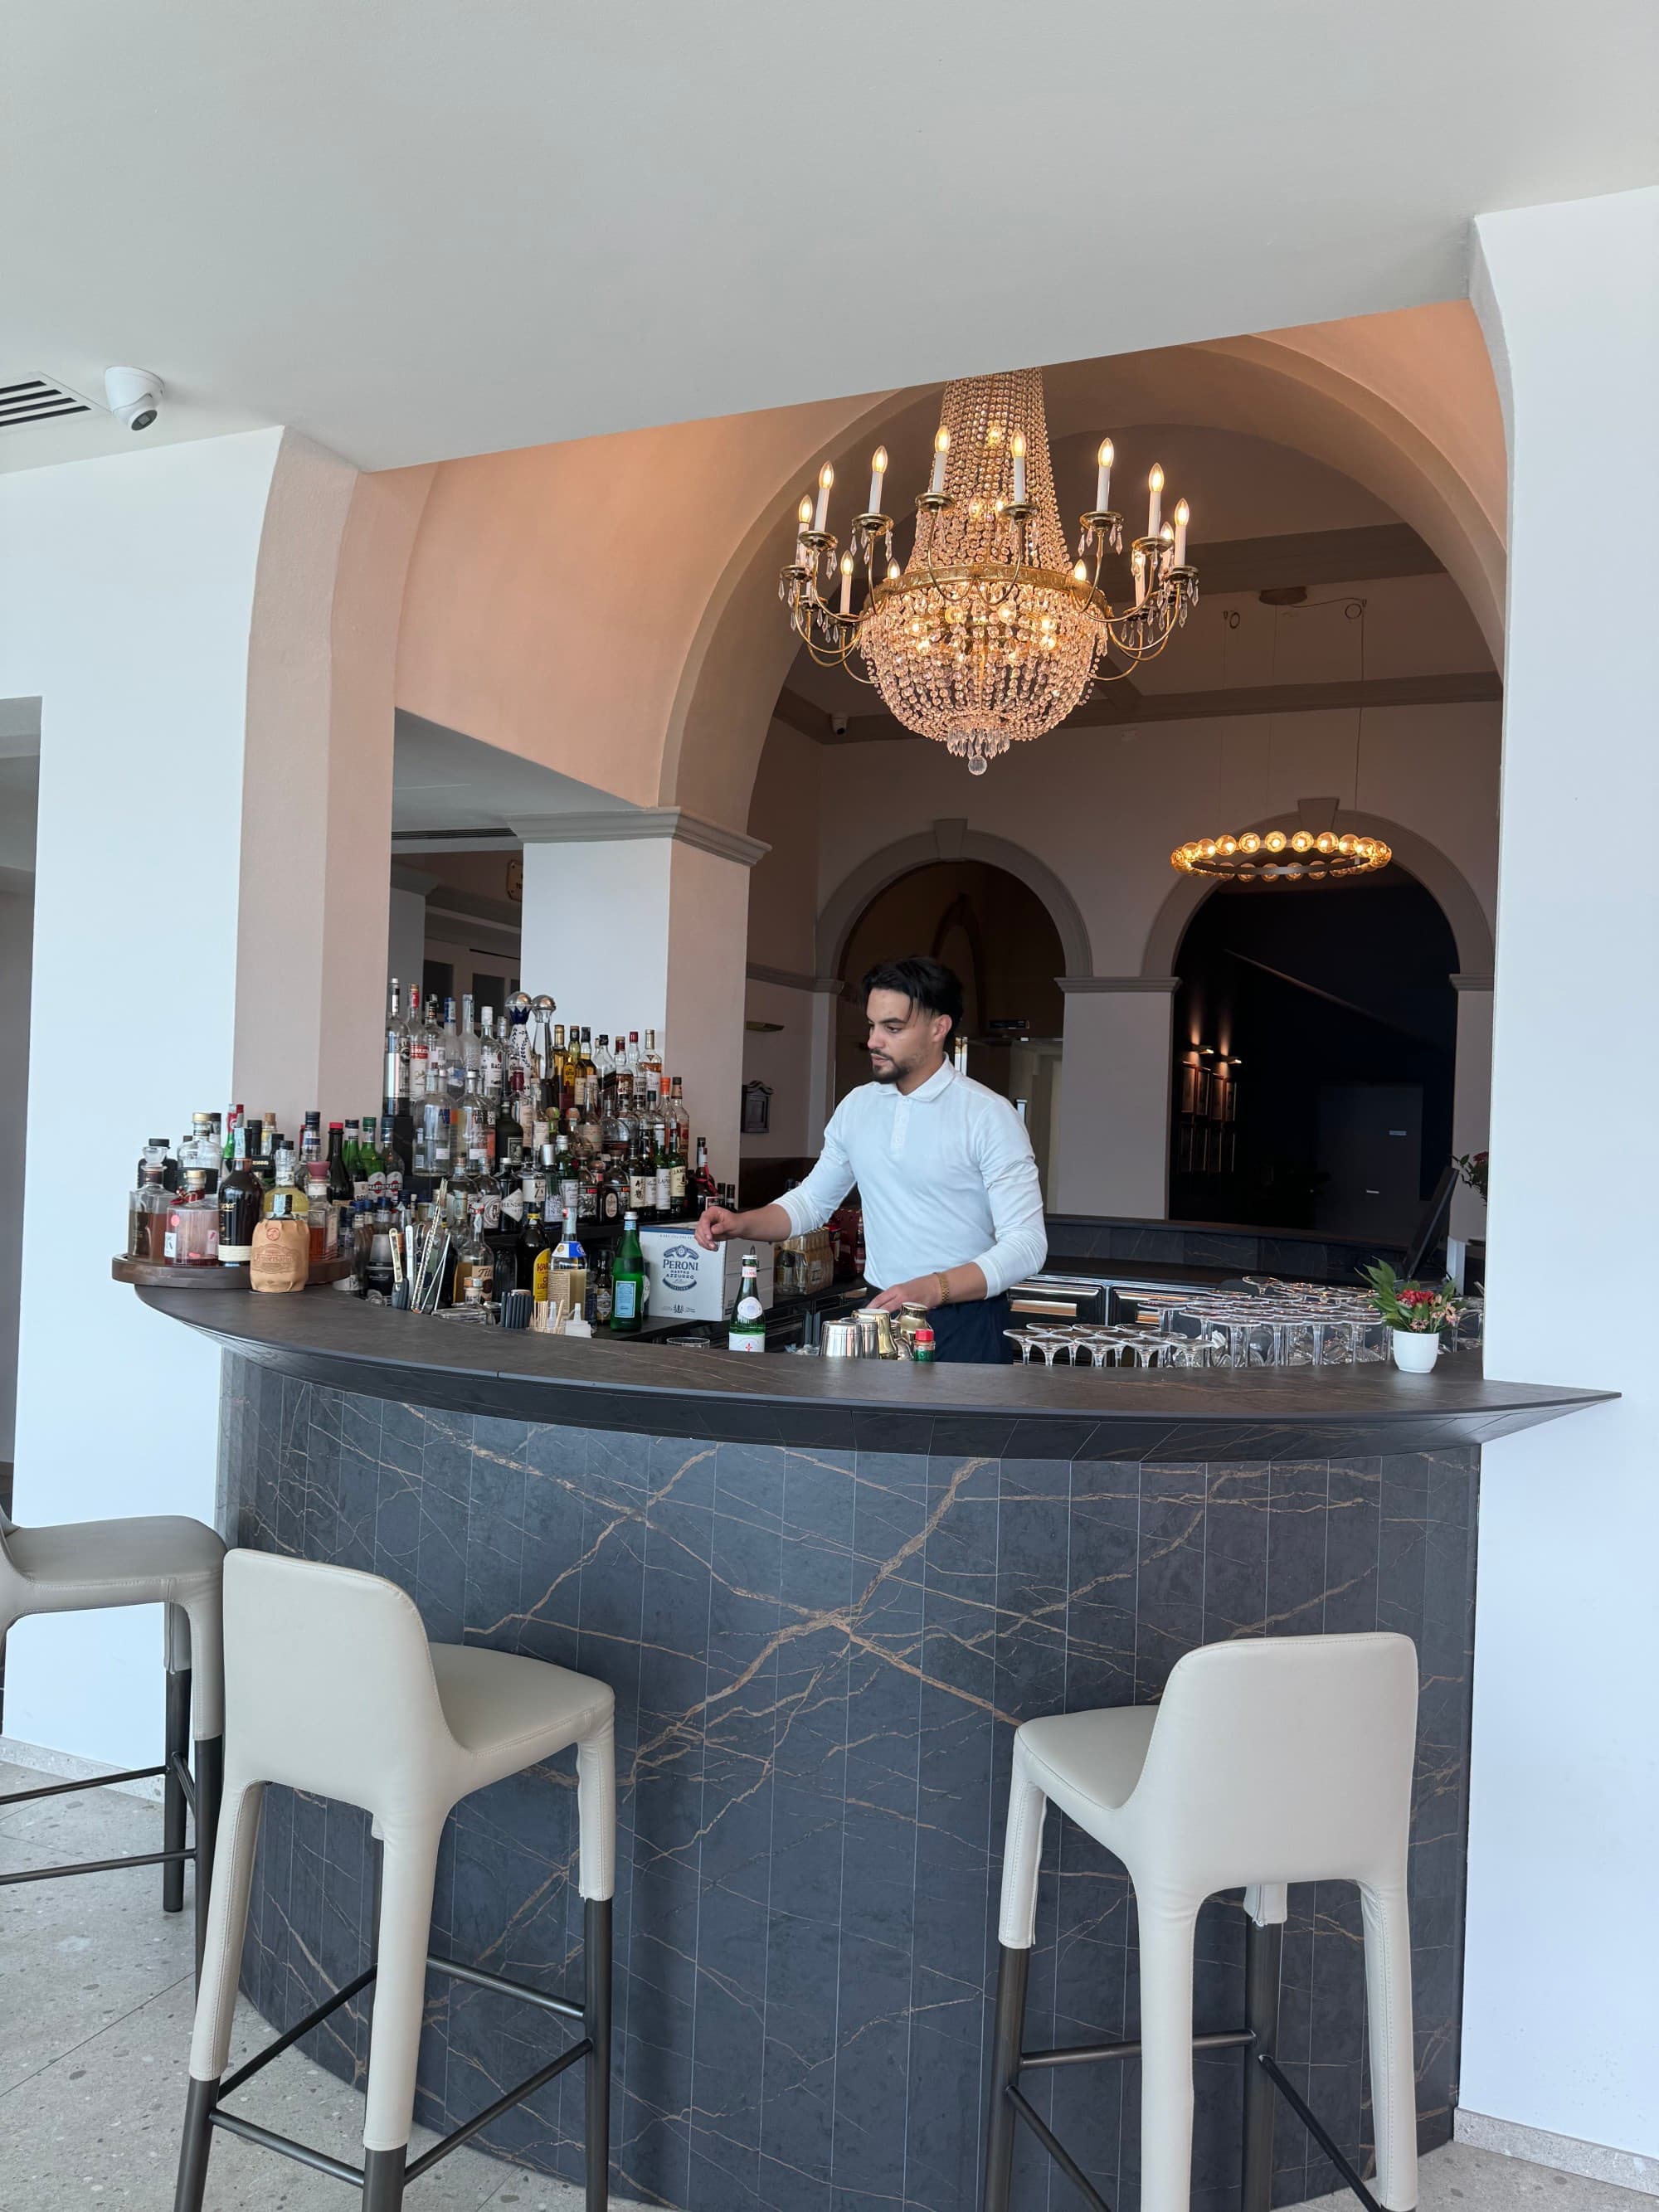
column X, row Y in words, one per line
column 17, row 936
column 794, row 1059
column 129, row 586
column 1562, row 1953
column 648, row 932
column 226, row 612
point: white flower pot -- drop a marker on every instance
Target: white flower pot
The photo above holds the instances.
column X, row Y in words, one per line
column 1415, row 1350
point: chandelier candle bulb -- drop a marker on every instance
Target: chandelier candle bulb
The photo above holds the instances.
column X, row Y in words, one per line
column 877, row 473
column 826, row 477
column 847, row 583
column 1104, row 460
column 1019, row 467
column 941, row 448
column 1183, row 516
column 1154, row 504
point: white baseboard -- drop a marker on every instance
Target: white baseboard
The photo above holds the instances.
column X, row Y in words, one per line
column 64, row 1766
column 1626, row 2169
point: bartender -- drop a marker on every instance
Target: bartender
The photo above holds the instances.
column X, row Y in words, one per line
column 952, row 1210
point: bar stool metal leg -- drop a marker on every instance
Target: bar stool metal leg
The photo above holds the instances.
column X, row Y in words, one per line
column 1013, row 1971
column 595, row 2027
column 383, row 2172
column 174, row 1803
column 209, row 1791
column 1263, row 1947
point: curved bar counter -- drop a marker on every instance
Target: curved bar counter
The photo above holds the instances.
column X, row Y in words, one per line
column 825, row 1595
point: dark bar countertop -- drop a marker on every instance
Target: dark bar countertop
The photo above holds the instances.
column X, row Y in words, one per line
column 1012, row 1412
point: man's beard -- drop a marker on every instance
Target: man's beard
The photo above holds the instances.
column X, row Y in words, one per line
column 883, row 1071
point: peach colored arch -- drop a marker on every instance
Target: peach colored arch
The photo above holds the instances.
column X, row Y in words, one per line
column 609, row 607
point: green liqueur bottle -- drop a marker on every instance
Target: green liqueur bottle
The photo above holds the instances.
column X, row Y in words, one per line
column 745, row 1327
column 628, row 1280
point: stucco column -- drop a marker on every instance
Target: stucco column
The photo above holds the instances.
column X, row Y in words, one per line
column 1113, row 1116
column 642, row 918
column 214, row 676
column 1471, row 1096
column 1563, row 1945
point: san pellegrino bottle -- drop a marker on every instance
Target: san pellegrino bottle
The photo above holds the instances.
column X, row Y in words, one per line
column 628, row 1280
column 745, row 1327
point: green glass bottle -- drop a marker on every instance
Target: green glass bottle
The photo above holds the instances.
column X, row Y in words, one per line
column 628, row 1280
column 745, row 1327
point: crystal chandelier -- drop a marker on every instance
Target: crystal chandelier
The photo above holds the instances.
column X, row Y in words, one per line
column 991, row 632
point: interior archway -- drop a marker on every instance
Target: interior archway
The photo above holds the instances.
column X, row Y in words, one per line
column 1314, row 1043
column 991, row 927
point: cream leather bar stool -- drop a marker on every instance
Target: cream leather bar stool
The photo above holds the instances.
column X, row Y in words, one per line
column 1267, row 1762
column 332, row 1687
column 87, row 1566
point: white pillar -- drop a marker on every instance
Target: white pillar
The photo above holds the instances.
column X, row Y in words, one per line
column 1471, row 1096
column 1113, row 1116
column 209, row 924
column 1563, row 1944
column 642, row 918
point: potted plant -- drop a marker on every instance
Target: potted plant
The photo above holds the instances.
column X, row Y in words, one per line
column 1471, row 1166
column 1416, row 1314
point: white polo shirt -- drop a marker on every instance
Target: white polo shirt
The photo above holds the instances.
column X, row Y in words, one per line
column 945, row 1176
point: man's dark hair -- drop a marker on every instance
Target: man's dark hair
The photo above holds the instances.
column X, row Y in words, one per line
column 925, row 983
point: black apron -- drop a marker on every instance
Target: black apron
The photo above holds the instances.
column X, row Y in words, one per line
column 973, row 1332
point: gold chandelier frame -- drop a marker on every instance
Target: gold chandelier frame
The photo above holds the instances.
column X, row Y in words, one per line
column 1282, row 856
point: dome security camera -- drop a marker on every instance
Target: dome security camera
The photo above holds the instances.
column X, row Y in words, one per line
column 838, row 724
column 134, row 396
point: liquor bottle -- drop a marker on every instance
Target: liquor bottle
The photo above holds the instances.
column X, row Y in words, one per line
column 534, row 1246
column 339, row 1177
column 190, row 1238
column 468, row 1039
column 679, row 1174
column 509, row 1137
column 702, row 1184
column 663, row 1196
column 438, row 1041
column 441, row 1139
column 311, row 1146
column 474, row 1268
column 651, row 1068
column 605, row 1077
column 642, row 1172
column 600, row 1291
column 588, row 1077
column 567, row 1274
column 204, row 1151
column 745, row 1327
column 296, row 1203
column 490, row 1058
column 627, row 1281
column 477, row 1127
column 454, row 1058
column 368, row 1154
column 395, row 1079
column 395, row 1156
column 242, row 1203
column 155, row 1154
column 320, row 1216
column 146, row 1214
column 419, row 1051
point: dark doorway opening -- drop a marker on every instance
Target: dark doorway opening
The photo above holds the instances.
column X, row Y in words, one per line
column 1315, row 1037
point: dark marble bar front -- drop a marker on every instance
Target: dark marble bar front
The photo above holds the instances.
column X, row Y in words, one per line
column 820, row 1650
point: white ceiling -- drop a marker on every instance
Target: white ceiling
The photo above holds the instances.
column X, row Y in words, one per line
column 424, row 229
column 441, row 780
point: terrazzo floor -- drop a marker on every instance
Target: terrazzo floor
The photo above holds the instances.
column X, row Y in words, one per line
column 94, row 2035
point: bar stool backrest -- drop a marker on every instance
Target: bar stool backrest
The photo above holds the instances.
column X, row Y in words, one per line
column 328, row 1681
column 1283, row 1758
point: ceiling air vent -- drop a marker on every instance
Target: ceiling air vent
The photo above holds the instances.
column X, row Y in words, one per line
column 36, row 399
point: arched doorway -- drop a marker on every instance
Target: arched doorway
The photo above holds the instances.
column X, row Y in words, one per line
column 1316, row 1039
column 994, row 931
